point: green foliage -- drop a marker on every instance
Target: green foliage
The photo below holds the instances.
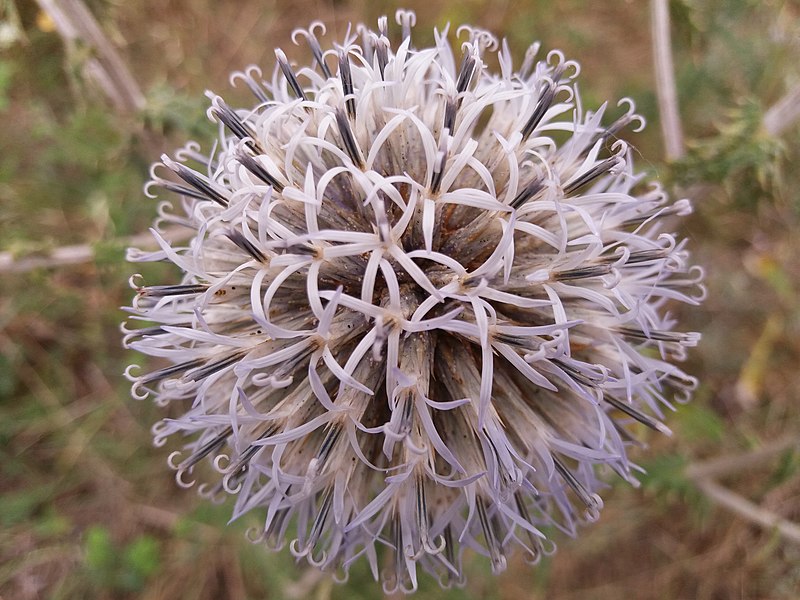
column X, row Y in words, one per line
column 22, row 506
column 51, row 524
column 741, row 157
column 8, row 380
column 698, row 424
column 120, row 568
column 666, row 483
column 141, row 560
column 100, row 555
column 168, row 110
column 204, row 513
column 788, row 467
column 6, row 77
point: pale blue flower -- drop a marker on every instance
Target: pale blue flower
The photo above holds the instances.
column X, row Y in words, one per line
column 423, row 304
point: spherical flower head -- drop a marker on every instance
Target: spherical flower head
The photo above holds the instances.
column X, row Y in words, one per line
column 423, row 307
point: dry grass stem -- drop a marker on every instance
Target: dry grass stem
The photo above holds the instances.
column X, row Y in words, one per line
column 80, row 253
column 726, row 465
column 703, row 474
column 748, row 510
column 671, row 127
column 105, row 67
column 783, row 113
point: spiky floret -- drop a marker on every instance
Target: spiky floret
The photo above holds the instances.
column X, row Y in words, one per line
column 422, row 304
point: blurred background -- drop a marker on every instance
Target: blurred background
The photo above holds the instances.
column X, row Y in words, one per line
column 88, row 508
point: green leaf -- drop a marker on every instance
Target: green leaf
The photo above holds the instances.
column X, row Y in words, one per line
column 666, row 474
column 6, row 77
column 697, row 423
column 141, row 560
column 22, row 505
column 100, row 555
column 52, row 524
column 8, row 379
column 787, row 468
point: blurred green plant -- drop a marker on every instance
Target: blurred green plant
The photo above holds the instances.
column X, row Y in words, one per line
column 740, row 157
column 168, row 110
column 124, row 568
column 6, row 78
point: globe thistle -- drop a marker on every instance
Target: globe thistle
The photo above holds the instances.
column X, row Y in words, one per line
column 423, row 306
